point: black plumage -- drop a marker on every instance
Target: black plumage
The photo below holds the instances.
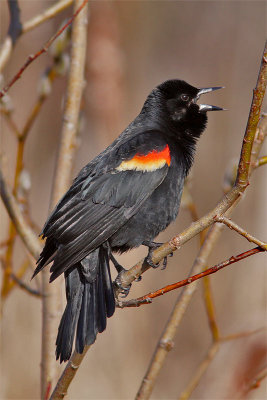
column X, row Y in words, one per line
column 123, row 198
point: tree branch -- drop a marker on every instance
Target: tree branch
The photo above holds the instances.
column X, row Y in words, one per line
column 232, row 225
column 14, row 31
column 147, row 299
column 244, row 169
column 52, row 299
column 44, row 49
column 8, row 43
column 46, row 15
column 227, row 204
column 27, row 235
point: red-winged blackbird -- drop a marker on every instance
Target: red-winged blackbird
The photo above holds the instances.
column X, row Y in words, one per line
column 122, row 199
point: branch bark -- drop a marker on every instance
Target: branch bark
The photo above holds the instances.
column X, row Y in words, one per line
column 26, row 233
column 8, row 44
column 52, row 298
column 43, row 50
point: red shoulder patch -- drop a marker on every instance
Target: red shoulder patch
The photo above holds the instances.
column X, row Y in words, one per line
column 149, row 162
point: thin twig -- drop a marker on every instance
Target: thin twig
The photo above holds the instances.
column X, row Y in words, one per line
column 44, row 49
column 26, row 233
column 207, row 292
column 255, row 384
column 205, row 363
column 241, row 231
column 25, row 287
column 52, row 300
column 261, row 161
column 14, row 31
column 7, row 46
column 46, row 15
column 202, row 368
column 147, row 299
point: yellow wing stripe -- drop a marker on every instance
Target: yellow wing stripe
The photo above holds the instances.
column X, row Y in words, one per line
column 147, row 163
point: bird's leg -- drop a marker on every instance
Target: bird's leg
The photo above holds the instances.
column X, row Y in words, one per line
column 151, row 247
column 124, row 290
column 117, row 265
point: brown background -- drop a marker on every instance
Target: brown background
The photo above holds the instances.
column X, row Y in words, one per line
column 133, row 46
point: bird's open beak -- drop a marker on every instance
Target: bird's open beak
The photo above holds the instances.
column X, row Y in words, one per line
column 207, row 107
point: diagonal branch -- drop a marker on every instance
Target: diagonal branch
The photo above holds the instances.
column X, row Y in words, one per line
column 27, row 235
column 227, row 204
column 229, row 198
column 46, row 15
column 52, row 300
column 129, row 276
column 44, row 49
column 147, row 299
column 241, row 231
column 16, row 29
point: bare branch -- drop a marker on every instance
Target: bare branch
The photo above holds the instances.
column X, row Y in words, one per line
column 147, row 299
column 25, row 287
column 68, row 374
column 44, row 49
column 8, row 43
column 261, row 161
column 202, row 368
column 46, row 15
column 175, row 318
column 229, row 198
column 241, row 231
column 27, row 235
column 51, row 302
column 14, row 31
column 227, row 204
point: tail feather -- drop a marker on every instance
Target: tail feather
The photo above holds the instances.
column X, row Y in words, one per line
column 90, row 300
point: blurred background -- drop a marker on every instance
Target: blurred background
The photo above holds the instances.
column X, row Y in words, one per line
column 132, row 47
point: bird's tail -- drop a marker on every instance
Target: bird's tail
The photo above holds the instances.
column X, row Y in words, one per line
column 90, row 300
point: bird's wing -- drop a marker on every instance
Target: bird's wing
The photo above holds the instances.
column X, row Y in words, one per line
column 96, row 207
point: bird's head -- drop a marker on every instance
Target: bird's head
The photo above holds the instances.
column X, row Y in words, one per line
column 176, row 103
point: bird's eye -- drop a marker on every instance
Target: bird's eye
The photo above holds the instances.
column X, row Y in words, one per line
column 185, row 97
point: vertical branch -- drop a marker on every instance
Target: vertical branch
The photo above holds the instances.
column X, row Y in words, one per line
column 51, row 299
column 165, row 343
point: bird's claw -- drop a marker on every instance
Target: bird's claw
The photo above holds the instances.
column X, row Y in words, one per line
column 152, row 246
column 124, row 290
column 149, row 261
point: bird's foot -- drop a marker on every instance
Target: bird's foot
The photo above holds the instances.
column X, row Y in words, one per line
column 151, row 247
column 124, row 290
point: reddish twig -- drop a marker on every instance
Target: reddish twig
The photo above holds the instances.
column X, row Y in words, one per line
column 148, row 297
column 44, row 49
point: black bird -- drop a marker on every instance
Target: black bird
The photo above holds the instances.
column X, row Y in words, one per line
column 122, row 199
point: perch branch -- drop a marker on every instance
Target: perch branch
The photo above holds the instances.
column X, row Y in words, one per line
column 147, row 299
column 44, row 49
column 68, row 374
column 227, row 204
column 51, row 302
column 129, row 276
column 229, row 198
